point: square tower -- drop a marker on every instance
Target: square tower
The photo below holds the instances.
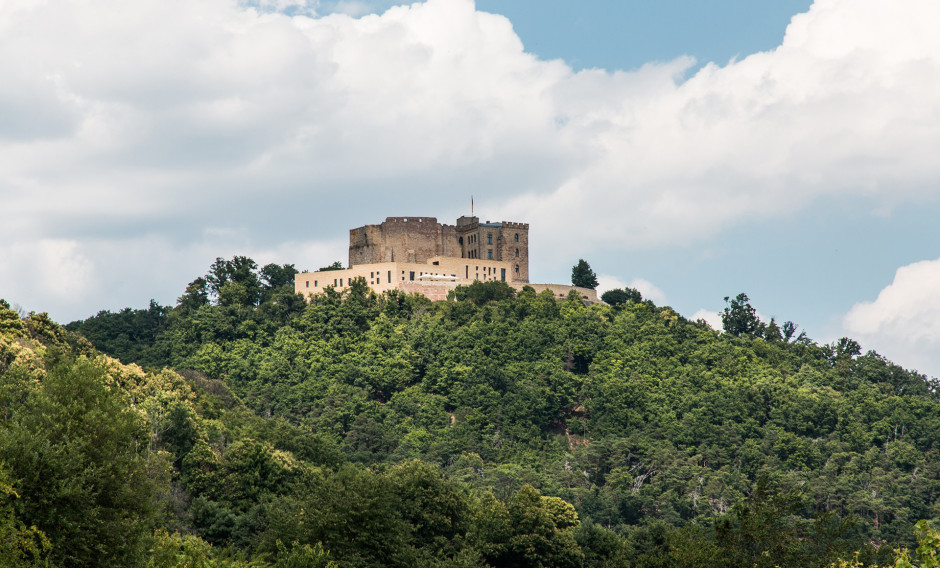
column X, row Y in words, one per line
column 505, row 241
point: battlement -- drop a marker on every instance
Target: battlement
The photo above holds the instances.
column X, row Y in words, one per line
column 465, row 223
column 418, row 239
column 411, row 220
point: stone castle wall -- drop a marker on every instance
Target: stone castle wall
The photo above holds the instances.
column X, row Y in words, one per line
column 398, row 239
column 417, row 239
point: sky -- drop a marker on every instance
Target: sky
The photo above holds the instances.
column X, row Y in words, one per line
column 690, row 149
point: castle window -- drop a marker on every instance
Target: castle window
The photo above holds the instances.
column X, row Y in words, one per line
column 411, row 275
column 315, row 284
column 489, row 238
column 517, row 253
column 308, row 283
column 502, row 274
column 340, row 282
column 517, row 237
column 389, row 276
column 334, row 282
column 460, row 240
column 489, row 254
column 517, row 269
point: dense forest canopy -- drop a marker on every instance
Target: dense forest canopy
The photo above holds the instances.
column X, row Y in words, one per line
column 245, row 426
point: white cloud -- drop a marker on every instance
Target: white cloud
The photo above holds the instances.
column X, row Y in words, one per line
column 713, row 319
column 607, row 282
column 79, row 279
column 647, row 289
column 903, row 322
column 844, row 107
column 154, row 120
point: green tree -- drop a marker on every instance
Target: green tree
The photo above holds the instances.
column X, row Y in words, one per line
column 482, row 292
column 278, row 276
column 620, row 296
column 79, row 456
column 531, row 531
column 928, row 548
column 234, row 282
column 20, row 546
column 740, row 318
column 583, row 276
column 338, row 265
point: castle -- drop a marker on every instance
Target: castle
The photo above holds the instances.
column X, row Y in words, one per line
column 418, row 254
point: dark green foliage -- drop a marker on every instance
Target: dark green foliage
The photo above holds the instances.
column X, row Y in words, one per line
column 129, row 335
column 338, row 265
column 583, row 276
column 483, row 292
column 528, row 531
column 740, row 317
column 83, row 469
column 618, row 296
column 21, row 546
column 354, row 513
column 307, row 420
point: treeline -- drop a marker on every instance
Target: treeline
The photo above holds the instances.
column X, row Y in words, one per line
column 494, row 429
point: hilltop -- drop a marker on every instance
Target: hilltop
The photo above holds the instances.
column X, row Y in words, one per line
column 494, row 429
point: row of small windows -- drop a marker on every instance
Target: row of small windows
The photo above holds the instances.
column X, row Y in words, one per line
column 376, row 277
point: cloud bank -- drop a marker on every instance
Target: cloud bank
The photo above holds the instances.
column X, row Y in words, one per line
column 903, row 322
column 142, row 139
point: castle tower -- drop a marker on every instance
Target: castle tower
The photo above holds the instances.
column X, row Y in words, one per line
column 504, row 241
column 398, row 239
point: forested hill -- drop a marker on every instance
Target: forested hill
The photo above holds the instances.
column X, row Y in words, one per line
column 494, row 429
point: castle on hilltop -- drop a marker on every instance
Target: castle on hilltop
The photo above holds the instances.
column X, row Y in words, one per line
column 418, row 254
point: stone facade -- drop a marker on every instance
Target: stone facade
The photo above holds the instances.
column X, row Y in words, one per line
column 418, row 254
column 418, row 239
column 382, row 276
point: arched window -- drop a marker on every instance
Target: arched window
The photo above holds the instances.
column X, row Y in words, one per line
column 517, row 269
column 517, row 253
column 517, row 237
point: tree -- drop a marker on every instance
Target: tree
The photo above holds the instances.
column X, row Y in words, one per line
column 531, row 531
column 20, row 546
column 78, row 453
column 483, row 292
column 278, row 276
column 195, row 296
column 335, row 266
column 740, row 318
column 234, row 281
column 618, row 296
column 583, row 276
column 928, row 548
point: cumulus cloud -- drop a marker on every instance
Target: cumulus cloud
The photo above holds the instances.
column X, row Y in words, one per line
column 647, row 289
column 843, row 107
column 156, row 120
column 903, row 322
column 713, row 319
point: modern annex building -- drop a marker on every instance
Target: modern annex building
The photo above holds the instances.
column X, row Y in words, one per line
column 418, row 254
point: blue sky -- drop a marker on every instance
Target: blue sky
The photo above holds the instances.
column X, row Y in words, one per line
column 626, row 35
column 693, row 150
